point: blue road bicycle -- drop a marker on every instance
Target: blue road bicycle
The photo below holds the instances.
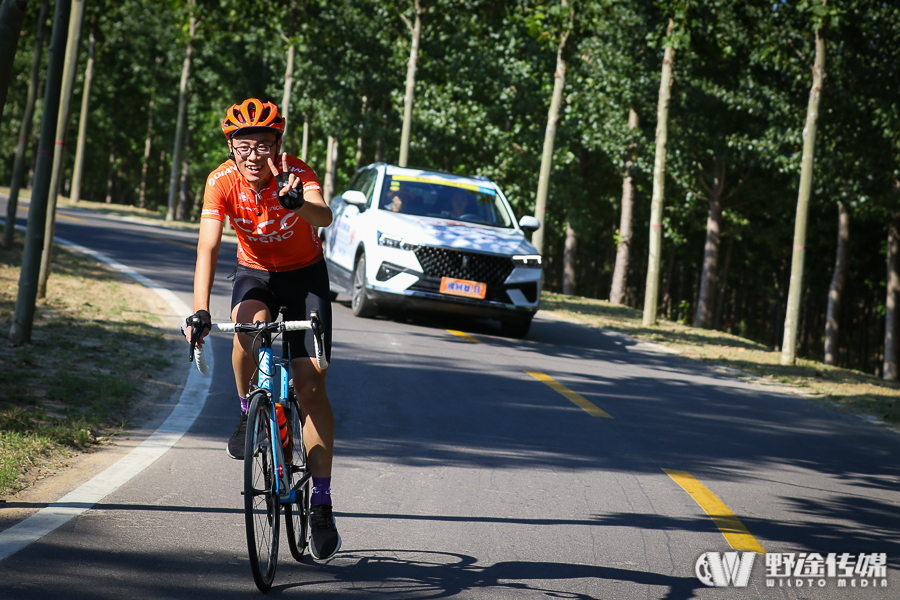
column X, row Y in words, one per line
column 276, row 472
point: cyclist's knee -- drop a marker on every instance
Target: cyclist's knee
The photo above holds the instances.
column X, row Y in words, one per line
column 309, row 381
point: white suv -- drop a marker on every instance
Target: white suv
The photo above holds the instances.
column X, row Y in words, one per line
column 424, row 239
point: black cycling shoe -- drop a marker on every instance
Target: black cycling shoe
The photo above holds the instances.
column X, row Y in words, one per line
column 324, row 540
column 235, row 447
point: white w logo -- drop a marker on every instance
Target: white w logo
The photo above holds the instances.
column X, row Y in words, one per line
column 718, row 569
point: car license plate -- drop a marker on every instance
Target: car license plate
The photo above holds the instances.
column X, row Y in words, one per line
column 463, row 287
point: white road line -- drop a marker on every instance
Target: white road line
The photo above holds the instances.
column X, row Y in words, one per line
column 193, row 397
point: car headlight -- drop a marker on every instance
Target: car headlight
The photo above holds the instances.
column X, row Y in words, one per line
column 527, row 260
column 394, row 241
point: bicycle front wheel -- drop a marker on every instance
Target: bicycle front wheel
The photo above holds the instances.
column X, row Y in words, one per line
column 262, row 509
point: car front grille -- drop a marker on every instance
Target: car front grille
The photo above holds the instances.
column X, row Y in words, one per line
column 485, row 268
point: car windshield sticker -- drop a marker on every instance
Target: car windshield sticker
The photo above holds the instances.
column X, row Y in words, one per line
column 466, row 186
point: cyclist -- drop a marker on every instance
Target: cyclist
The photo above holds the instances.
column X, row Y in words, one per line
column 274, row 205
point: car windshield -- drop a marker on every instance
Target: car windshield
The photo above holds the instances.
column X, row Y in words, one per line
column 432, row 197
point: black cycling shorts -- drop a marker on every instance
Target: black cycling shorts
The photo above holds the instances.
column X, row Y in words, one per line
column 300, row 291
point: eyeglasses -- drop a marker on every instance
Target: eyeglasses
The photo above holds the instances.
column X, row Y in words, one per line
column 261, row 150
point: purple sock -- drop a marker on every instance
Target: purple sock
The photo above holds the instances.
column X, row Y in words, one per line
column 321, row 491
column 244, row 407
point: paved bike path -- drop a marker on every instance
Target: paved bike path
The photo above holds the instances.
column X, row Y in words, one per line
column 459, row 474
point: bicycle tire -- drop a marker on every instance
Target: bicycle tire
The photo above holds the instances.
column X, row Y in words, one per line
column 262, row 508
column 296, row 514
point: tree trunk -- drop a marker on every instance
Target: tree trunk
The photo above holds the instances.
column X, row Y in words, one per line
column 332, row 178
column 35, row 143
column 891, row 319
column 70, row 66
column 789, row 347
column 161, row 178
column 12, row 204
column 379, row 142
column 651, row 293
column 359, row 138
column 12, row 13
column 111, row 174
column 330, row 167
column 670, row 271
column 559, row 83
column 570, row 255
column 709, row 273
column 23, row 319
column 623, row 251
column 77, row 171
column 304, row 150
column 145, row 163
column 184, row 203
column 723, row 281
column 415, row 30
column 182, row 114
column 835, row 292
column 286, row 98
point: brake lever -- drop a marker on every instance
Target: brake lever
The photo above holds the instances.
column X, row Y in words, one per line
column 195, row 336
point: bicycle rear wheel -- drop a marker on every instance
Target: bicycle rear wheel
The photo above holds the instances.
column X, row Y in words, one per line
column 296, row 514
column 262, row 509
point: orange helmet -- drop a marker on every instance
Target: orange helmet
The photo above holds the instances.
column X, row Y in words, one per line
column 252, row 115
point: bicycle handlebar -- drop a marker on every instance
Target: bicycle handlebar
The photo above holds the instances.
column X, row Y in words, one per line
column 313, row 324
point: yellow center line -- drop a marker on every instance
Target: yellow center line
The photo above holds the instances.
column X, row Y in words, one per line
column 59, row 215
column 464, row 336
column 579, row 400
column 735, row 533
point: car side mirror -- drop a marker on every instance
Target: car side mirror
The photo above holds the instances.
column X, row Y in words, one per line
column 356, row 198
column 529, row 223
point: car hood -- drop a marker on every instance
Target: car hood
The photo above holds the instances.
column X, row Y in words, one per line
column 447, row 233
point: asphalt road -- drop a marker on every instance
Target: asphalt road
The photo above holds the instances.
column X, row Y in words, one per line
column 461, row 471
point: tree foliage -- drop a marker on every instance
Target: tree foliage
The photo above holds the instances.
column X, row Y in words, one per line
column 483, row 85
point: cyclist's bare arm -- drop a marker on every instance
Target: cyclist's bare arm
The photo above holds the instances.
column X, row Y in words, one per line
column 314, row 211
column 205, row 272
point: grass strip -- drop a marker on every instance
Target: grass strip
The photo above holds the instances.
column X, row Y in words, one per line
column 844, row 389
column 98, row 346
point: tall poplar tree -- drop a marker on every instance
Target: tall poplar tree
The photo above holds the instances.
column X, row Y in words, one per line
column 12, row 203
column 789, row 346
column 565, row 12
column 23, row 318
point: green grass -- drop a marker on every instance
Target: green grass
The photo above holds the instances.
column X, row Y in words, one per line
column 97, row 340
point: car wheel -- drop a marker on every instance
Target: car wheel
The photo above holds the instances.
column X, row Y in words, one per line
column 516, row 327
column 362, row 305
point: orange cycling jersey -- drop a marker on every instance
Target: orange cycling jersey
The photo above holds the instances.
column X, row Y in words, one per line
column 270, row 237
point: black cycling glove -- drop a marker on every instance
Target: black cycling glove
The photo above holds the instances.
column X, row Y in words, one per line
column 293, row 199
column 201, row 316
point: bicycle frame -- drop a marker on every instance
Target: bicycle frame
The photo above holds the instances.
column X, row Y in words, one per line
column 272, row 371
